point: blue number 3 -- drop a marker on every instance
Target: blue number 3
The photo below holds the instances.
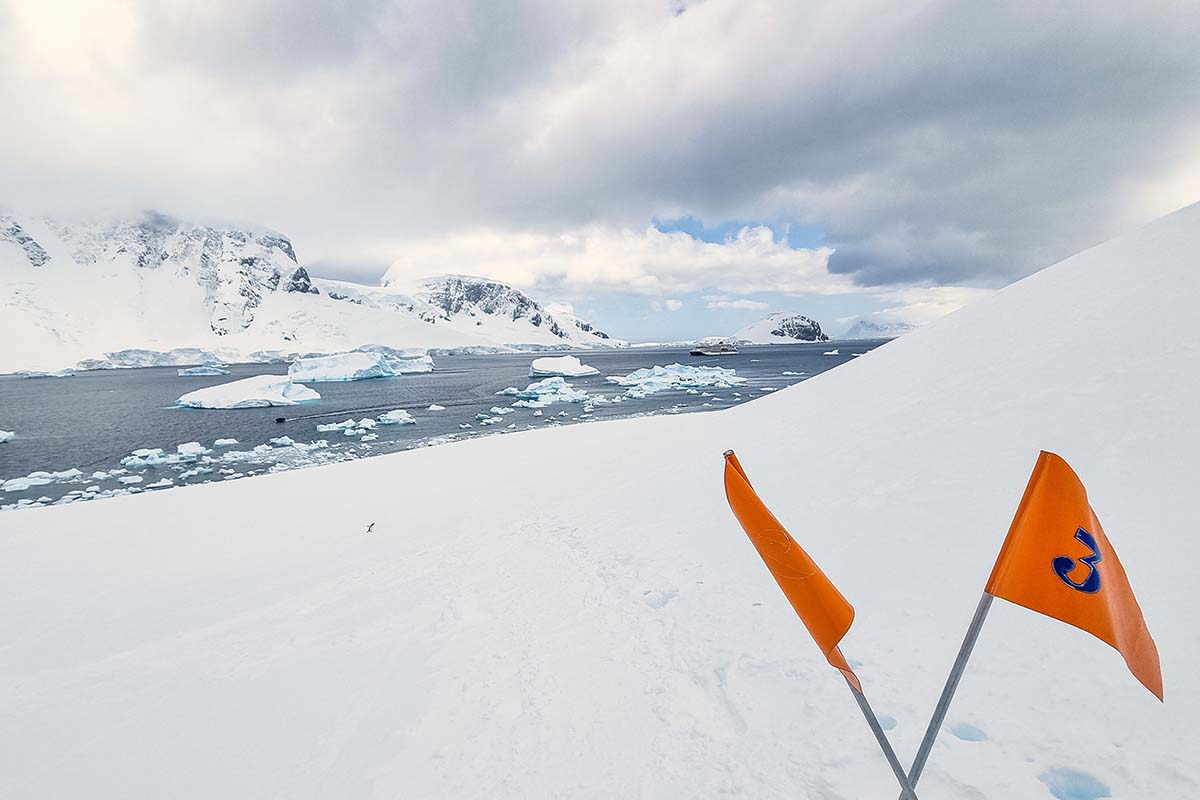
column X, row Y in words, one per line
column 1063, row 565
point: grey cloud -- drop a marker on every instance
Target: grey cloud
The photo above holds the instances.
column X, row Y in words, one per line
column 949, row 142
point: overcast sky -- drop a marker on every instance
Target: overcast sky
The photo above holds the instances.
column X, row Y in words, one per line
column 673, row 168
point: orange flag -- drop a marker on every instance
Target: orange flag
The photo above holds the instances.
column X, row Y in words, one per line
column 820, row 605
column 1057, row 561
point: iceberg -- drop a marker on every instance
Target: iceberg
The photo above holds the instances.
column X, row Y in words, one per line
column 256, row 392
column 6, row 436
column 397, row 417
column 356, row 366
column 564, row 366
column 207, row 369
column 675, row 377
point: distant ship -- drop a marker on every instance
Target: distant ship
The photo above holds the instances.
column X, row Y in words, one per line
column 717, row 349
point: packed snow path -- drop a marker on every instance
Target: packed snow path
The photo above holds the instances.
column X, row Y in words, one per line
column 603, row 629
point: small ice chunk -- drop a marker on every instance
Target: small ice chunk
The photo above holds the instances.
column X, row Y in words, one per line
column 283, row 441
column 501, row 410
column 832, row 352
column 225, row 442
column 397, row 417
column 564, row 366
column 436, row 407
column 465, row 425
column 337, row 426
column 6, row 436
column 370, row 437
column 194, row 449
column 789, row 372
column 130, row 479
column 160, row 484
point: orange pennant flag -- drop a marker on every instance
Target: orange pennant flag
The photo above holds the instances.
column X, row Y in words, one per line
column 820, row 605
column 1057, row 561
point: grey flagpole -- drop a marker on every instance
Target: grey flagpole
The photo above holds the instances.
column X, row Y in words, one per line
column 943, row 705
column 907, row 792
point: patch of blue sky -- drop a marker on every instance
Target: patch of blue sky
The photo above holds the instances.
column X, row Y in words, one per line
column 795, row 234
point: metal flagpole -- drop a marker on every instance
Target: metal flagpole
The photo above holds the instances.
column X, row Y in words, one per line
column 956, row 673
column 907, row 792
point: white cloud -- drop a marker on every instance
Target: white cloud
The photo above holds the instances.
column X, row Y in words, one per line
column 666, row 305
column 942, row 141
column 737, row 304
column 607, row 259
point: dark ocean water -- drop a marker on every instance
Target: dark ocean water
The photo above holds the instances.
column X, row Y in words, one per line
column 93, row 420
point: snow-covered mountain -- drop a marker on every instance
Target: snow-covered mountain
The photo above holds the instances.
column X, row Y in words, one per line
column 74, row 291
column 782, row 328
column 867, row 328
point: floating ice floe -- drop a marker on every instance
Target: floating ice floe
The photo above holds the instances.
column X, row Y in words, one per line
column 436, row 407
column 356, row 367
column 283, row 441
column 397, row 417
column 185, row 453
column 563, row 366
column 207, row 369
column 131, row 479
column 162, row 483
column 256, row 392
column 6, row 435
column 545, row 392
column 832, row 352
column 501, row 410
column 39, row 478
column 792, row 373
column 675, row 377
column 225, row 442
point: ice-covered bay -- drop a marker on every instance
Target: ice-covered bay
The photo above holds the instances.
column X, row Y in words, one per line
column 62, row 426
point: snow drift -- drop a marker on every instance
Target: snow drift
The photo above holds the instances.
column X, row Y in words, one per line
column 602, row 627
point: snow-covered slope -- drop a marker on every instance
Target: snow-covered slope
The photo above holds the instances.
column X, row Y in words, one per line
column 782, row 328
column 866, row 328
column 575, row 613
column 75, row 291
